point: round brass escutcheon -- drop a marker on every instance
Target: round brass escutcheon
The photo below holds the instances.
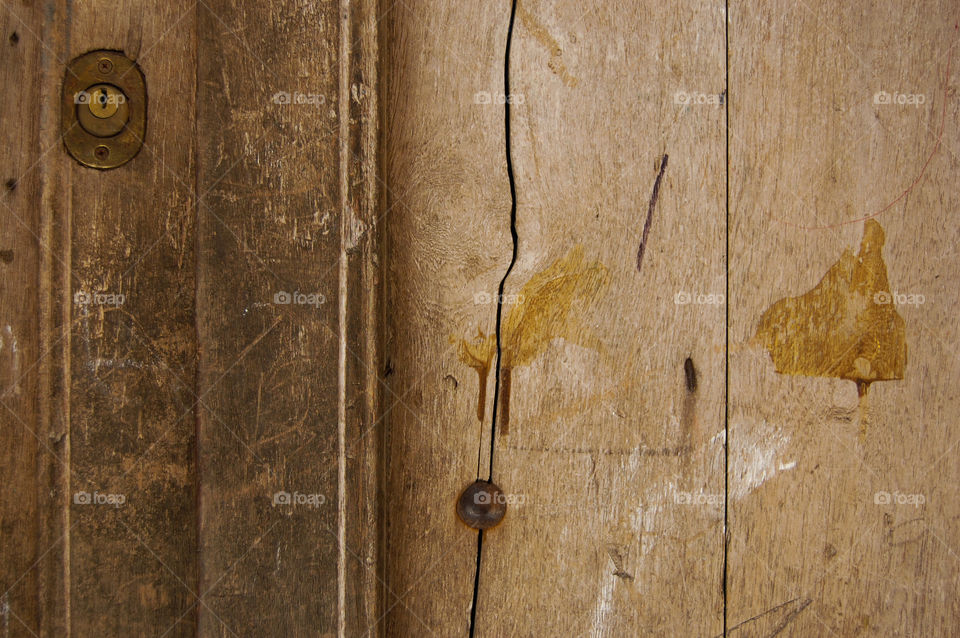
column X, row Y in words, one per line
column 102, row 110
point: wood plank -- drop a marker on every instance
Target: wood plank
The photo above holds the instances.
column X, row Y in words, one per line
column 616, row 408
column 22, row 444
column 838, row 201
column 128, row 236
column 446, row 239
column 604, row 440
column 286, row 241
column 361, row 338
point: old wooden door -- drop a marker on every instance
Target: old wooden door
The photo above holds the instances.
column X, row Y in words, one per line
column 678, row 278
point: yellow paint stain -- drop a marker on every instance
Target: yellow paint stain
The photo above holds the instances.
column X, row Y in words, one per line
column 845, row 327
column 478, row 354
column 543, row 307
column 542, row 35
column 539, row 314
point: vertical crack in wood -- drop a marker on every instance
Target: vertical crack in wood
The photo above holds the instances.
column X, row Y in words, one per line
column 503, row 281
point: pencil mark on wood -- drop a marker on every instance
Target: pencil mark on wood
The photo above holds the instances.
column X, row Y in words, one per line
column 653, row 203
column 640, row 450
column 790, row 617
column 907, row 532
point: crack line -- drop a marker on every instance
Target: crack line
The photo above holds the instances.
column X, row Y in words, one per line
column 503, row 281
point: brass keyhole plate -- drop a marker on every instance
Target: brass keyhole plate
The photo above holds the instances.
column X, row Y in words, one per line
column 104, row 109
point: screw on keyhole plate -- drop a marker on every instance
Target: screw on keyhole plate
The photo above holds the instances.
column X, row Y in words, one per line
column 482, row 505
column 103, row 109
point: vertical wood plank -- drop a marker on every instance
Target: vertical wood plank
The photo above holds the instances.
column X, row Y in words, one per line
column 361, row 330
column 613, row 459
column 286, row 202
column 128, row 237
column 843, row 277
column 447, row 240
column 22, row 443
column 613, row 466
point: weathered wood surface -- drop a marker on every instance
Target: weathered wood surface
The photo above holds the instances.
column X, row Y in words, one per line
column 815, row 152
column 446, row 239
column 128, row 241
column 286, row 240
column 143, row 353
column 604, row 442
column 22, row 441
column 204, row 393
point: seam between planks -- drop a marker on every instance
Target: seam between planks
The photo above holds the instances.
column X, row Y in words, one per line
column 726, row 322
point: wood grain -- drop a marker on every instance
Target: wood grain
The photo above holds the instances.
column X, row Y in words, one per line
column 446, row 240
column 617, row 462
column 292, row 327
column 814, row 550
column 128, row 236
column 285, row 242
column 22, row 444
column 604, row 439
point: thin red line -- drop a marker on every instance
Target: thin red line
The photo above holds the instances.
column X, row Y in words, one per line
column 943, row 119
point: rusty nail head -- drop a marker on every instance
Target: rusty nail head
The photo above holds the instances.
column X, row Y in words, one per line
column 482, row 505
column 102, row 152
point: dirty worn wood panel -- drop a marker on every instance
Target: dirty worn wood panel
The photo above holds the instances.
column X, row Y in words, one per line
column 22, row 443
column 609, row 456
column 446, row 240
column 128, row 238
column 611, row 449
column 285, row 209
column 361, row 317
column 843, row 277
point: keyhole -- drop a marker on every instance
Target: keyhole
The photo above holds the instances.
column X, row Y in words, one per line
column 105, row 101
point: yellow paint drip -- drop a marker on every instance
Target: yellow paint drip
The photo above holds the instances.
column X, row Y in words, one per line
column 540, row 313
column 845, row 327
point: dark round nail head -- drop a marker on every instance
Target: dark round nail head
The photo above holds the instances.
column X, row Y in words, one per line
column 482, row 505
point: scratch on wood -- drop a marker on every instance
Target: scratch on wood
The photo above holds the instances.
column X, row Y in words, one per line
column 617, row 558
column 789, row 618
column 653, row 204
column 786, row 620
